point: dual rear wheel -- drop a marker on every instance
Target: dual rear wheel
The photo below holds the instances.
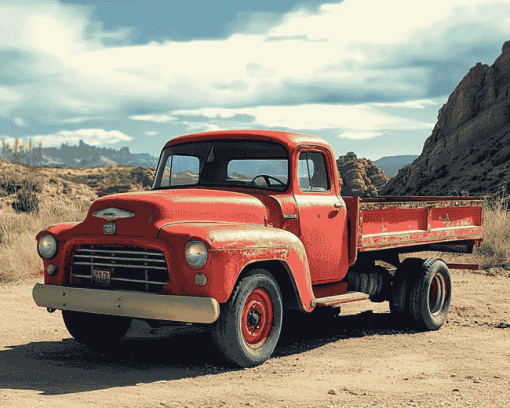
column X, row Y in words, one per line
column 421, row 293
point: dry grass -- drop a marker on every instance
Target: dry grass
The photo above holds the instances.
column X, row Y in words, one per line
column 493, row 255
column 18, row 251
column 19, row 259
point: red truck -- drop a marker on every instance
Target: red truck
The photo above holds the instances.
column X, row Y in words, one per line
column 240, row 230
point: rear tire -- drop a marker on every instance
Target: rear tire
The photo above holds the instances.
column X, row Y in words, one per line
column 249, row 326
column 98, row 332
column 430, row 295
column 400, row 289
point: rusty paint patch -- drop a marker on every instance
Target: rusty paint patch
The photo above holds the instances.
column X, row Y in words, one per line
column 405, row 239
column 446, row 220
column 419, row 204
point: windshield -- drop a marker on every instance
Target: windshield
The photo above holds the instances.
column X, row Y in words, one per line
column 231, row 163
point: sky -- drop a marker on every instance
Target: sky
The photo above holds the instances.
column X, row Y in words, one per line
column 368, row 76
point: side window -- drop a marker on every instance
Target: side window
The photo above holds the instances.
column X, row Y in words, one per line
column 312, row 174
column 180, row 170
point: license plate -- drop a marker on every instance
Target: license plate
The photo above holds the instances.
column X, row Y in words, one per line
column 101, row 277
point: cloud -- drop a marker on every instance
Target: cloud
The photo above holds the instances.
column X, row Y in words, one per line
column 354, row 118
column 418, row 104
column 351, row 51
column 360, row 135
column 200, row 127
column 93, row 137
column 19, row 122
column 154, row 118
column 79, row 119
column 9, row 95
column 151, row 133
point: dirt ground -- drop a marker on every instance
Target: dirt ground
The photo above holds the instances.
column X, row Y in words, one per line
column 360, row 359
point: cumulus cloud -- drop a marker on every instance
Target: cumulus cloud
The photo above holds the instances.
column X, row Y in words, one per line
column 93, row 137
column 356, row 52
column 19, row 122
column 151, row 133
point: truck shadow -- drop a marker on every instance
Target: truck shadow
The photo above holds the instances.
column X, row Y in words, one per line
column 300, row 336
column 149, row 356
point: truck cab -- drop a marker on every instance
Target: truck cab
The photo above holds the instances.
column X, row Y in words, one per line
column 239, row 228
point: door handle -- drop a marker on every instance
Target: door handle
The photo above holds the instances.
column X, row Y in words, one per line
column 338, row 206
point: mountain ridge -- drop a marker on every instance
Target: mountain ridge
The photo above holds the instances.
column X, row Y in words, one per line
column 469, row 148
column 390, row 165
column 81, row 156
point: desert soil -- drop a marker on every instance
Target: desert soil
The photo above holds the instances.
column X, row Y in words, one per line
column 360, row 359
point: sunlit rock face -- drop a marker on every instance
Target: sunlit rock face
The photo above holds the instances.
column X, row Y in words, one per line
column 469, row 148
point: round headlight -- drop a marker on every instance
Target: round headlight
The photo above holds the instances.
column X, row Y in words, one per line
column 196, row 254
column 47, row 246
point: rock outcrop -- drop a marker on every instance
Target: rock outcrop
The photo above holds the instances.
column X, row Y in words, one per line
column 360, row 177
column 469, row 148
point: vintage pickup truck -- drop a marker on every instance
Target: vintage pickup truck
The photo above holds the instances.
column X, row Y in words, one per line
column 240, row 230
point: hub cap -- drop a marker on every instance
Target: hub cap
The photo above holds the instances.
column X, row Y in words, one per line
column 437, row 294
column 257, row 318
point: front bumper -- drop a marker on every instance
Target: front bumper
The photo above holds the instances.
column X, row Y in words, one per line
column 189, row 309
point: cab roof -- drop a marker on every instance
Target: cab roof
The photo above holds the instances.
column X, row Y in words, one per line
column 289, row 139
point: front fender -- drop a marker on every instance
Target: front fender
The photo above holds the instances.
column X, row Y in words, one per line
column 234, row 246
column 61, row 232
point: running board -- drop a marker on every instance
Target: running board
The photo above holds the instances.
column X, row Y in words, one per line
column 462, row 266
column 339, row 299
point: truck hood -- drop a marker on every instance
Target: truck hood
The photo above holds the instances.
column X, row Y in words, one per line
column 154, row 209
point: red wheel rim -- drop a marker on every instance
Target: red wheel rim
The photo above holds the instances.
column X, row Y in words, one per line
column 437, row 294
column 257, row 318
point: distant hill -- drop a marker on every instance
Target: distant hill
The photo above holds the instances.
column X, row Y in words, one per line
column 390, row 165
column 84, row 155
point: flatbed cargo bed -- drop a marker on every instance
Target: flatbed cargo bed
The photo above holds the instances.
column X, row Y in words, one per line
column 394, row 222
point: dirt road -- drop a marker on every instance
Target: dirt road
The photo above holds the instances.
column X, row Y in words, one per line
column 360, row 359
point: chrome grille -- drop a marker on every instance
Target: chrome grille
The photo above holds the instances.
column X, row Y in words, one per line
column 131, row 268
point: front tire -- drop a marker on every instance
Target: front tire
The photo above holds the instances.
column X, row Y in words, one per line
column 249, row 326
column 98, row 332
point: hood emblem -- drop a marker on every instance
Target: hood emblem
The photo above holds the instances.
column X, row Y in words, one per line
column 110, row 215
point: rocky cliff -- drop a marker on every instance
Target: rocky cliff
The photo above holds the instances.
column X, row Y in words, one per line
column 360, row 177
column 469, row 148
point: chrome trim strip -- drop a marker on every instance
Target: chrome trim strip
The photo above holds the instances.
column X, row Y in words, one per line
column 124, row 259
column 123, row 280
column 139, row 281
column 121, row 252
column 120, row 265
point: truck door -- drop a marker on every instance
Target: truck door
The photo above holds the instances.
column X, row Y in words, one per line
column 322, row 218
